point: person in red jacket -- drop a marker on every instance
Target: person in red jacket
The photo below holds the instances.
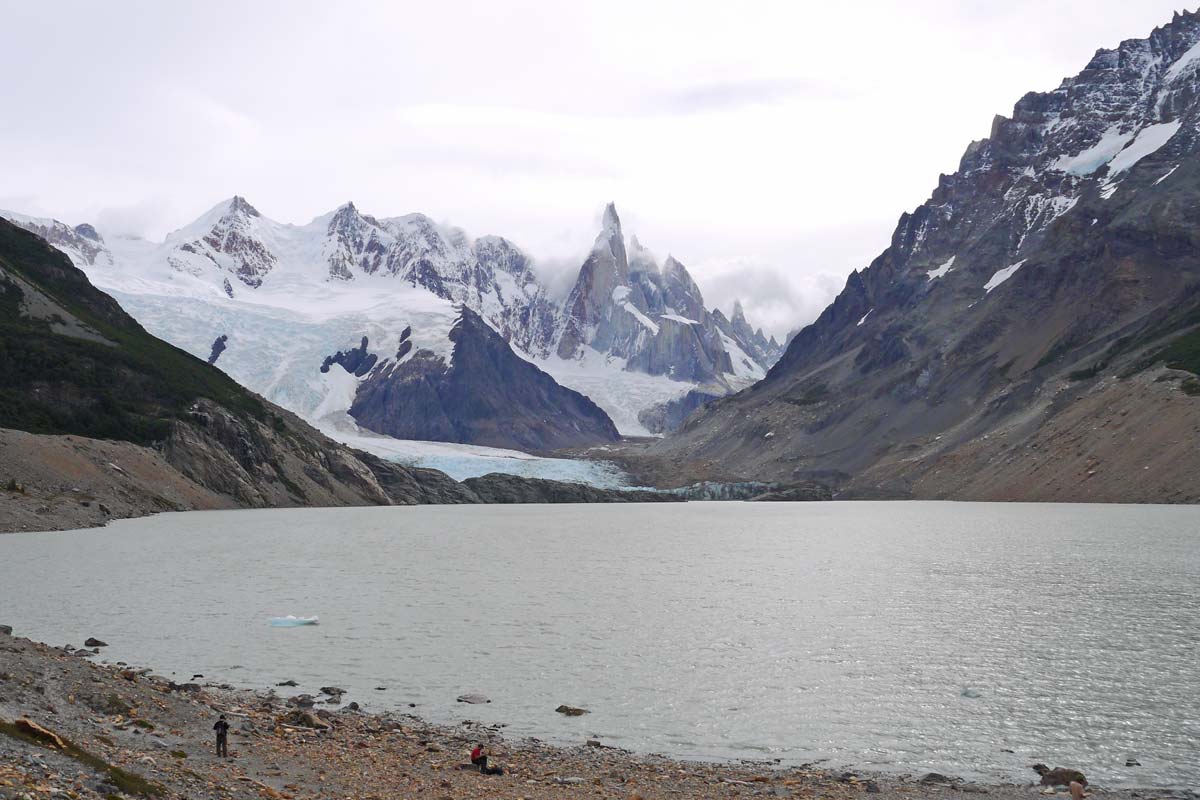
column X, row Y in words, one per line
column 479, row 759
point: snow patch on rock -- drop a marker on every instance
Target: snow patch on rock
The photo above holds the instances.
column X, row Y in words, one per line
column 1001, row 275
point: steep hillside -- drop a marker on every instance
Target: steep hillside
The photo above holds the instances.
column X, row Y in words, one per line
column 75, row 362
column 1030, row 333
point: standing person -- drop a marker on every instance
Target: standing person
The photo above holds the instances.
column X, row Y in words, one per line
column 479, row 759
column 222, row 729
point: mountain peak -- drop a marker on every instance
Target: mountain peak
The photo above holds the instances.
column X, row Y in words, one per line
column 611, row 239
column 611, row 222
column 238, row 205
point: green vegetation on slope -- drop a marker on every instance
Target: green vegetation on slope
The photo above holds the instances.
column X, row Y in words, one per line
column 128, row 390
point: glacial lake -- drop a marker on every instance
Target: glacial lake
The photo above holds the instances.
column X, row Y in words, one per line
column 969, row 639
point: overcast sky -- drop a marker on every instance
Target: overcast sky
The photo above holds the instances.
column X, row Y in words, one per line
column 769, row 146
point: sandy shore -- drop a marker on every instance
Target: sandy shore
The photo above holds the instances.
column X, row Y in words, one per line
column 130, row 733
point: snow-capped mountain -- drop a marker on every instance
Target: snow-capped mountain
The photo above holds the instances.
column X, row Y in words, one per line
column 286, row 297
column 1030, row 303
column 624, row 304
column 82, row 243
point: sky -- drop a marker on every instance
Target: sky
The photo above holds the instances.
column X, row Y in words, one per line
column 769, row 146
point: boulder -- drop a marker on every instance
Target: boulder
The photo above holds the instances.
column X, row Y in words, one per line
column 287, row 683
column 332, row 691
column 473, row 699
column 1059, row 776
column 571, row 711
column 5, row 630
column 93, row 642
column 305, row 719
column 302, row 701
column 937, row 777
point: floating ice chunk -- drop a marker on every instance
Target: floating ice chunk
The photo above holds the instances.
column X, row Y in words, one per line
column 292, row 622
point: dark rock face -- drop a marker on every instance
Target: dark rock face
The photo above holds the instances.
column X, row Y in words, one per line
column 507, row 489
column 486, row 395
column 357, row 362
column 218, row 347
column 1050, row 251
column 802, row 493
column 669, row 417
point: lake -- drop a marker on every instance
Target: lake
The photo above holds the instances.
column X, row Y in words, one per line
column 965, row 638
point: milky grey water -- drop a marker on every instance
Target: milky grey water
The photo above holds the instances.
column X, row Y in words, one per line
column 889, row 636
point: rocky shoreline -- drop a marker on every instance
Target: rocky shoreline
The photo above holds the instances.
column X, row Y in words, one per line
column 75, row 728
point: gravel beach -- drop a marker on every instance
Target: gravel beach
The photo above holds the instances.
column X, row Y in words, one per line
column 125, row 732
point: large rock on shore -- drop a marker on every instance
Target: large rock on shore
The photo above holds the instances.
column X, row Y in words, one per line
column 1059, row 776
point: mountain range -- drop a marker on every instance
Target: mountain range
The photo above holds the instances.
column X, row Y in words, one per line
column 101, row 420
column 271, row 303
column 1031, row 330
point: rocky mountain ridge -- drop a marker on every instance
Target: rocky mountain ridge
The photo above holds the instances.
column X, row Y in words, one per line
column 235, row 277
column 1059, row 265
column 237, row 248
column 624, row 304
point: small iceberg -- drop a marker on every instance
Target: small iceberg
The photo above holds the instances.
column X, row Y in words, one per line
column 291, row 622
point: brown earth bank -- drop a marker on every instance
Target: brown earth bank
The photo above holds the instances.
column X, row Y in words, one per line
column 73, row 728
column 50, row 482
column 1105, row 440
